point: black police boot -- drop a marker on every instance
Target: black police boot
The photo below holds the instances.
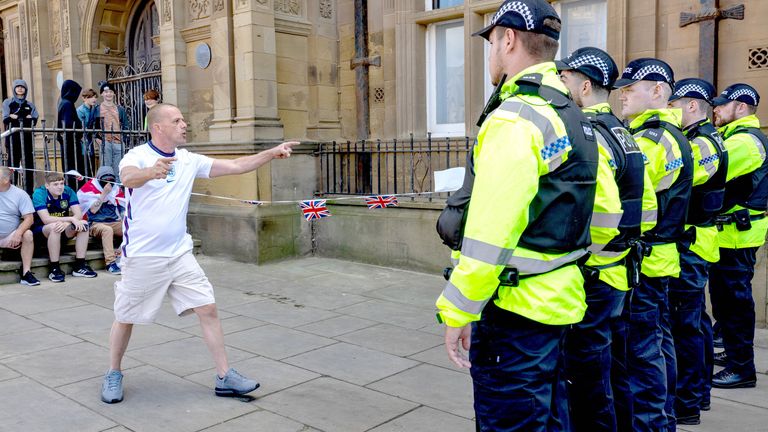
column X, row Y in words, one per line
column 728, row 379
column 717, row 342
column 721, row 359
column 692, row 419
column 705, row 405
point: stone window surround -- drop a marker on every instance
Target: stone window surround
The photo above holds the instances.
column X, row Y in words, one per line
column 412, row 98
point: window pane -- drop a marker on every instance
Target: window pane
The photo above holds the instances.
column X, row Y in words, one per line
column 449, row 73
column 584, row 24
column 439, row 4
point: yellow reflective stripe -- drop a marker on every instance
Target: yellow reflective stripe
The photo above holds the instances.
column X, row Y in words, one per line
column 485, row 252
column 596, row 247
column 605, row 220
column 527, row 266
column 608, row 254
column 454, row 261
column 454, row 295
column 604, row 144
column 759, row 145
column 555, row 146
column 707, row 157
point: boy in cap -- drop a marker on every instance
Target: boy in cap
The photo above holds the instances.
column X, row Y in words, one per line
column 691, row 327
column 589, row 74
column 103, row 203
column 743, row 227
column 113, row 119
column 535, row 165
column 646, row 85
column 19, row 111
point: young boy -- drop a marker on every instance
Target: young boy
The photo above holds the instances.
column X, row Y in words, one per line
column 57, row 215
column 88, row 114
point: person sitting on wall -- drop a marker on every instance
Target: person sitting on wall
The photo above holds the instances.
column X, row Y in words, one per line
column 103, row 202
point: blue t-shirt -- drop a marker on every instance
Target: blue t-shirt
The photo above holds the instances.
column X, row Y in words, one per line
column 59, row 207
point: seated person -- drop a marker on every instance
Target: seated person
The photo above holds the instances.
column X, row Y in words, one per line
column 57, row 215
column 16, row 215
column 103, row 202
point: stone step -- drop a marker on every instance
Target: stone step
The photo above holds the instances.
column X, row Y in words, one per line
column 9, row 270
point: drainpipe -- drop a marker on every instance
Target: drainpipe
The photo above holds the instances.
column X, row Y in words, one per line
column 360, row 63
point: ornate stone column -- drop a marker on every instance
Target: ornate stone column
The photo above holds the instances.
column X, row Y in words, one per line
column 173, row 52
column 70, row 34
column 255, row 72
column 323, row 53
column 222, row 61
column 44, row 94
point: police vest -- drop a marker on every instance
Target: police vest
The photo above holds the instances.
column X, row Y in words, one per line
column 707, row 199
column 749, row 190
column 672, row 202
column 630, row 169
column 560, row 213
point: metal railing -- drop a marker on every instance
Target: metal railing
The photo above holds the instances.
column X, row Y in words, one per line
column 381, row 167
column 39, row 149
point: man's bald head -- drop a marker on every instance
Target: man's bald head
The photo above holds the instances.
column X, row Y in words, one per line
column 155, row 114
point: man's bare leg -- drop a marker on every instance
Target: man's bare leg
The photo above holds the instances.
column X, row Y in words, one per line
column 118, row 343
column 213, row 336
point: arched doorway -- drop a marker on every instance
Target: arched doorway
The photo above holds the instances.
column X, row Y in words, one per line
column 143, row 71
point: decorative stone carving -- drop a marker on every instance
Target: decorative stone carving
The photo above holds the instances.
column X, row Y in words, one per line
column 23, row 23
column 262, row 2
column 54, row 14
column 199, row 9
column 289, row 7
column 33, row 24
column 218, row 6
column 81, row 5
column 326, row 9
column 65, row 23
column 167, row 11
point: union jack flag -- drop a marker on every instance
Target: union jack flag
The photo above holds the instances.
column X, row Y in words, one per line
column 381, row 201
column 314, row 209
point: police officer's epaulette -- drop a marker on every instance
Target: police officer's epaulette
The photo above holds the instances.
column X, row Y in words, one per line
column 531, row 84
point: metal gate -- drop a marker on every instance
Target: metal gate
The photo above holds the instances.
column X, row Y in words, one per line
column 130, row 83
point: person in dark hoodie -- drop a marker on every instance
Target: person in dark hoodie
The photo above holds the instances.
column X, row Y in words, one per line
column 20, row 112
column 67, row 118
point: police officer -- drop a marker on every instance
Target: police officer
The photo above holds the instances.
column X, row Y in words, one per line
column 646, row 85
column 691, row 327
column 744, row 226
column 589, row 73
column 517, row 281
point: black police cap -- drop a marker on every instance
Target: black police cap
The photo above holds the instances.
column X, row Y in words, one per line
column 646, row 69
column 592, row 62
column 694, row 88
column 525, row 15
column 738, row 92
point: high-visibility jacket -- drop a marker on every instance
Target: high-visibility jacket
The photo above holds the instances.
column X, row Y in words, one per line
column 710, row 166
column 746, row 164
column 637, row 198
column 670, row 168
column 519, row 147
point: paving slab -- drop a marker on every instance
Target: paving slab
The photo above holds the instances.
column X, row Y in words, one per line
column 33, row 340
column 432, row 386
column 316, row 296
column 337, row 326
column 393, row 339
column 757, row 396
column 185, row 356
column 54, row 367
column 44, row 410
column 167, row 317
column 261, row 421
column 351, row 363
column 142, row 336
column 34, row 301
column 391, row 313
column 276, row 342
column 426, row 419
column 439, row 357
column 273, row 376
column 286, row 313
column 333, row 405
column 229, row 325
column 7, row 373
column 406, row 293
column 77, row 320
column 12, row 323
column 731, row 416
column 159, row 401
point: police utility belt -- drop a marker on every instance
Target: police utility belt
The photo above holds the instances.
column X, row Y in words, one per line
column 741, row 218
column 511, row 276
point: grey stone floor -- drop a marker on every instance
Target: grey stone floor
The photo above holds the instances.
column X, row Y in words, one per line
column 337, row 346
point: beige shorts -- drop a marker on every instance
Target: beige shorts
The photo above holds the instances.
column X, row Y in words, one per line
column 147, row 280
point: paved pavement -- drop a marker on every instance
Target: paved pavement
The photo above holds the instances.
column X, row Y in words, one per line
column 337, row 347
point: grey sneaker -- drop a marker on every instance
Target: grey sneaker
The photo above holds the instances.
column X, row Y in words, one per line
column 234, row 384
column 112, row 387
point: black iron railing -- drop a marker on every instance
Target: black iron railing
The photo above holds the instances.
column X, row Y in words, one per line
column 396, row 166
column 39, row 149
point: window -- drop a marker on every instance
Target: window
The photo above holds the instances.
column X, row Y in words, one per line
column 442, row 4
column 445, row 78
column 584, row 24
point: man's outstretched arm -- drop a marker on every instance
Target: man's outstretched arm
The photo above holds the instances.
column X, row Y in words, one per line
column 222, row 167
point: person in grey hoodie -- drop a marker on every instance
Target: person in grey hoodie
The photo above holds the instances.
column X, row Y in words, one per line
column 20, row 146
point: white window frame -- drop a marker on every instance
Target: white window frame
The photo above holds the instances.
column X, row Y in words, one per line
column 428, row 5
column 558, row 6
column 442, row 129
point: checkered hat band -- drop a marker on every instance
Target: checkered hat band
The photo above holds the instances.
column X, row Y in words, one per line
column 682, row 91
column 519, row 8
column 743, row 92
column 647, row 70
column 592, row 60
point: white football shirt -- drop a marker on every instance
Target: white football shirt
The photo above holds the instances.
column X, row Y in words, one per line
column 155, row 222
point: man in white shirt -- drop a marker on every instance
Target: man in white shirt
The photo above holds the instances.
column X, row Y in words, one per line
column 157, row 251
